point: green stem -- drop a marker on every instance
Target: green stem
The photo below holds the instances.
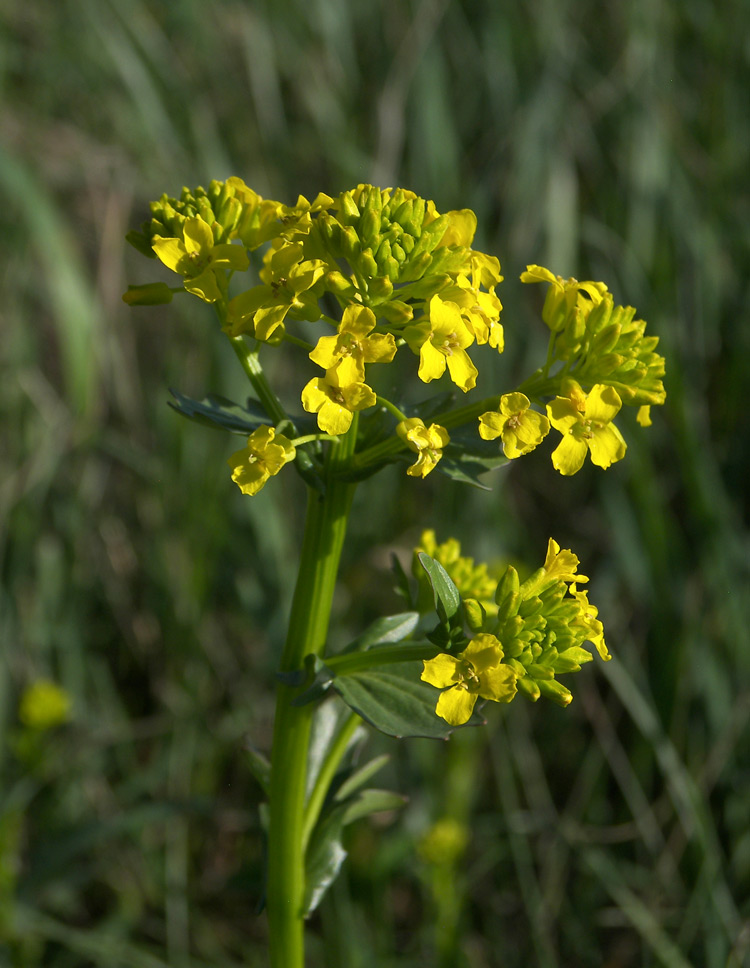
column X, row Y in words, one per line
column 251, row 365
column 325, row 527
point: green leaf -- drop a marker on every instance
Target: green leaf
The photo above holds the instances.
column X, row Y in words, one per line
column 323, row 860
column 326, row 853
column 403, row 586
column 385, row 631
column 358, row 777
column 467, row 456
column 328, row 719
column 260, row 767
column 218, row 412
column 395, row 700
column 371, row 801
column 447, row 598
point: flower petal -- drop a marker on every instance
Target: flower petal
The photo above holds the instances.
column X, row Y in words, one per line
column 170, row 252
column 199, row 238
column 456, row 705
column 204, row 285
column 431, row 363
column 440, row 671
column 499, row 684
column 569, row 455
column 491, row 425
column 606, row 446
column 462, row 370
column 602, row 403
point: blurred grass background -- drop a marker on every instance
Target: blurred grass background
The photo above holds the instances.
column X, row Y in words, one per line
column 604, row 140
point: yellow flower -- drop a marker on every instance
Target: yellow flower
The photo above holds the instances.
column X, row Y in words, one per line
column 521, row 429
column 348, row 352
column 644, row 416
column 444, row 842
column 586, row 424
column 477, row 672
column 441, row 340
column 197, row 258
column 334, row 404
column 258, row 220
column 427, row 442
column 43, row 705
column 289, row 282
column 264, row 455
column 565, row 296
column 561, row 565
column 587, row 619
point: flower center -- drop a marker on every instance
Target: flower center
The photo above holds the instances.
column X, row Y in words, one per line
column 449, row 343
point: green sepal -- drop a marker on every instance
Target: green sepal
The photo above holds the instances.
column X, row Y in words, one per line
column 448, row 603
column 140, row 242
column 395, row 700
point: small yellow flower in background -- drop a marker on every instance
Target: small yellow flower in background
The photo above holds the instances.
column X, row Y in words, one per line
column 426, row 442
column 444, row 842
column 197, row 258
column 476, row 673
column 348, row 352
column 521, row 429
column 335, row 405
column 43, row 705
column 441, row 341
column 264, row 455
column 585, row 421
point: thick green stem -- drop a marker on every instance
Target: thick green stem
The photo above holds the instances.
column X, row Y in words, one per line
column 325, row 527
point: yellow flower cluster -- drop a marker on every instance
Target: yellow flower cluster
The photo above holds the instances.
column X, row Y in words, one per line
column 602, row 343
column 535, row 632
column 401, row 274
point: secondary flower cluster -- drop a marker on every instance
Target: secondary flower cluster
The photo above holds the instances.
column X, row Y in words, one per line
column 528, row 634
column 382, row 269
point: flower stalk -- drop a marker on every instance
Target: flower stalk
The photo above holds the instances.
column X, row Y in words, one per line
column 325, row 528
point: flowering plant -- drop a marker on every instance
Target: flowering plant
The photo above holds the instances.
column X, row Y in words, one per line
column 353, row 283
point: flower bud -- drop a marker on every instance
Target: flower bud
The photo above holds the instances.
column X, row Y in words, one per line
column 475, row 614
column 605, row 340
column 369, row 227
column 379, row 288
column 348, row 211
